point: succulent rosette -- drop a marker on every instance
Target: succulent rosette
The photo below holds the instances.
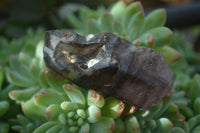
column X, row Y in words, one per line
column 130, row 23
column 56, row 103
column 34, row 99
column 8, row 109
column 187, row 82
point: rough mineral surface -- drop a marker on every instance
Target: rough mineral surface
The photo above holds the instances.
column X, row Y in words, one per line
column 110, row 64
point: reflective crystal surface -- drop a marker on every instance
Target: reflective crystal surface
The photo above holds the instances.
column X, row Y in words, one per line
column 110, row 64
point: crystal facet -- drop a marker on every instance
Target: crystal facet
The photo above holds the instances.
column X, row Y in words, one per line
column 110, row 64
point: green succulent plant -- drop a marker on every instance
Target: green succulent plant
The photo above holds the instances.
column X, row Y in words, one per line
column 187, row 81
column 8, row 109
column 130, row 23
column 53, row 101
column 34, row 99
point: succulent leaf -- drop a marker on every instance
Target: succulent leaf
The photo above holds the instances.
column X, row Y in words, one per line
column 135, row 25
column 117, row 28
column 130, row 11
column 106, row 22
column 54, row 129
column 22, row 95
column 177, row 130
column 34, row 111
column 42, row 79
column 113, row 107
column 104, row 125
column 118, row 10
column 196, row 129
column 94, row 98
column 46, row 98
column 18, row 79
column 163, row 125
column 93, row 26
column 195, row 87
column 169, row 54
column 53, row 112
column 54, row 81
column 119, row 126
column 192, row 122
column 162, row 35
column 69, row 106
column 72, row 20
column 132, row 125
column 146, row 40
column 155, row 19
column 196, row 105
column 75, row 95
column 94, row 114
column 44, row 127
column 85, row 128
column 4, row 106
column 150, row 124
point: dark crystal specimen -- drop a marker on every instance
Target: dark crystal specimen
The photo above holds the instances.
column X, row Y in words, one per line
column 110, row 64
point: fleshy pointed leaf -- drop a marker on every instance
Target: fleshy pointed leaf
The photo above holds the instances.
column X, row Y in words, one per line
column 44, row 127
column 33, row 111
column 54, row 129
column 164, row 125
column 113, row 107
column 24, row 58
column 14, row 62
column 81, row 113
column 22, row 95
column 119, row 126
column 106, row 22
column 150, row 124
column 135, row 25
column 93, row 26
column 73, row 20
column 130, row 11
column 69, row 106
column 117, row 10
column 154, row 110
column 46, row 98
column 196, row 105
column 104, row 125
column 18, row 79
column 54, row 80
column 35, row 68
column 39, row 50
column 94, row 98
column 146, row 40
column 169, row 54
column 155, row 19
column 117, row 28
column 132, row 125
column 75, row 95
column 42, row 79
column 86, row 13
column 53, row 112
column 162, row 36
column 85, row 128
column 94, row 114
column 195, row 87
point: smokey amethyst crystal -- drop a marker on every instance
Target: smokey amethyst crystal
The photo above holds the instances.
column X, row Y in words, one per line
column 110, row 64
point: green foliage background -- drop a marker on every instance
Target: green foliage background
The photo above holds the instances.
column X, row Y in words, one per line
column 34, row 99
